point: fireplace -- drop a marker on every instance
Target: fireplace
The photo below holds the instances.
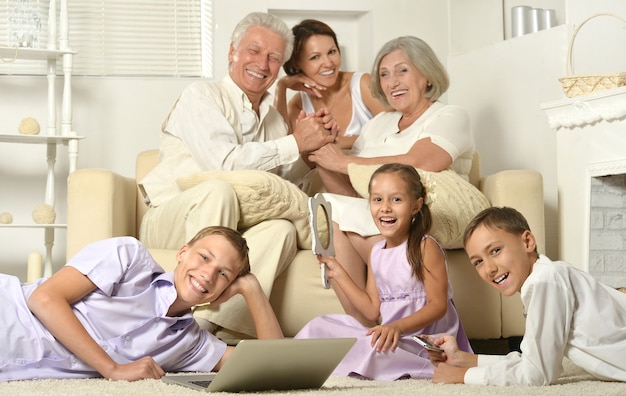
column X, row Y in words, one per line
column 591, row 177
column 607, row 232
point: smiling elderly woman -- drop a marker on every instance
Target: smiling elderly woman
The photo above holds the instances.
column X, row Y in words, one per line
column 422, row 132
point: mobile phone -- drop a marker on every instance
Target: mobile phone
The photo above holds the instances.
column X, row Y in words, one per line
column 423, row 341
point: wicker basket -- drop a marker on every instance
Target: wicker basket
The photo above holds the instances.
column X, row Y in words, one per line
column 583, row 84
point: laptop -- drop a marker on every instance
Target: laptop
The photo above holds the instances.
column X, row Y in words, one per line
column 283, row 364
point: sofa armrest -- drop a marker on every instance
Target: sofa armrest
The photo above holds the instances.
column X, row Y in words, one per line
column 522, row 190
column 100, row 205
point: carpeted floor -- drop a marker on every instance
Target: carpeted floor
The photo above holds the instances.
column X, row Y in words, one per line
column 573, row 382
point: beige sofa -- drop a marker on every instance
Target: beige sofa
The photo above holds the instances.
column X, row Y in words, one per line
column 103, row 204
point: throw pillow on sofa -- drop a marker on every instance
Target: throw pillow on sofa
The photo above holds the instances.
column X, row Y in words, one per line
column 262, row 196
column 453, row 200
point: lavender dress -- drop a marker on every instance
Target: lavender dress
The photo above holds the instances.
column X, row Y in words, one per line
column 401, row 294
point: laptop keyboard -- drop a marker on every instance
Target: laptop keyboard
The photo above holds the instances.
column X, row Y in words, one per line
column 203, row 384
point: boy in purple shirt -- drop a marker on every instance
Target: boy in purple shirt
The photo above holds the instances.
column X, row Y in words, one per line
column 112, row 311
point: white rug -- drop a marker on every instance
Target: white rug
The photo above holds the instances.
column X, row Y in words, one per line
column 573, row 382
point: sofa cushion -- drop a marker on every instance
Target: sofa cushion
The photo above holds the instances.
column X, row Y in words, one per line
column 262, row 196
column 452, row 200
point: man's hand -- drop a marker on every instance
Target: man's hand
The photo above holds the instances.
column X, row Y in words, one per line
column 311, row 131
column 328, row 120
column 144, row 368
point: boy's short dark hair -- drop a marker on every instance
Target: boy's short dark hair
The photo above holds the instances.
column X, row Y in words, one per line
column 234, row 237
column 504, row 218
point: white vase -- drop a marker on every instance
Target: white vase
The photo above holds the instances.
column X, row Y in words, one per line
column 520, row 20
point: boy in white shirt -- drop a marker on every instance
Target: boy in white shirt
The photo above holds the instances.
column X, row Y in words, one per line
column 568, row 312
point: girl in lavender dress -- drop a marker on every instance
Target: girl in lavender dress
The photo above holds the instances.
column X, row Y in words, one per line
column 407, row 291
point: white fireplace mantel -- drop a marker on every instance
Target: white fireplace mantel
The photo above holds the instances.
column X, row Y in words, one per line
column 591, row 142
column 586, row 110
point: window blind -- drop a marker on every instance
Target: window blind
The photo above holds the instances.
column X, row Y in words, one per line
column 130, row 38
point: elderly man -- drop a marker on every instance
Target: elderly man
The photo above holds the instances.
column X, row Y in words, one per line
column 231, row 125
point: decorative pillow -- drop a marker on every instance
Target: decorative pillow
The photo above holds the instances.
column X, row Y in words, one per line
column 262, row 196
column 453, row 201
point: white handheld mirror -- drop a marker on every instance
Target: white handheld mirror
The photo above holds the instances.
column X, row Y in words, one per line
column 320, row 216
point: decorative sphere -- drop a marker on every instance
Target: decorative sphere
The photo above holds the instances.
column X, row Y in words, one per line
column 29, row 126
column 44, row 214
column 6, row 218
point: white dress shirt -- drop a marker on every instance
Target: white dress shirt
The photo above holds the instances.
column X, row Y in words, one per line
column 568, row 314
column 212, row 127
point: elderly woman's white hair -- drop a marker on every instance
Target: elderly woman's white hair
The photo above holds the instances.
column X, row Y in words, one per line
column 422, row 57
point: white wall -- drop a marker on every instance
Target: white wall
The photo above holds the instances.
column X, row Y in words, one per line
column 501, row 84
column 120, row 117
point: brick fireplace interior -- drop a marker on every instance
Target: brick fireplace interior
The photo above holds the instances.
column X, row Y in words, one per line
column 607, row 234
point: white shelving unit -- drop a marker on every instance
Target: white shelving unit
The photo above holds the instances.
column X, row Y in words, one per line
column 57, row 48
